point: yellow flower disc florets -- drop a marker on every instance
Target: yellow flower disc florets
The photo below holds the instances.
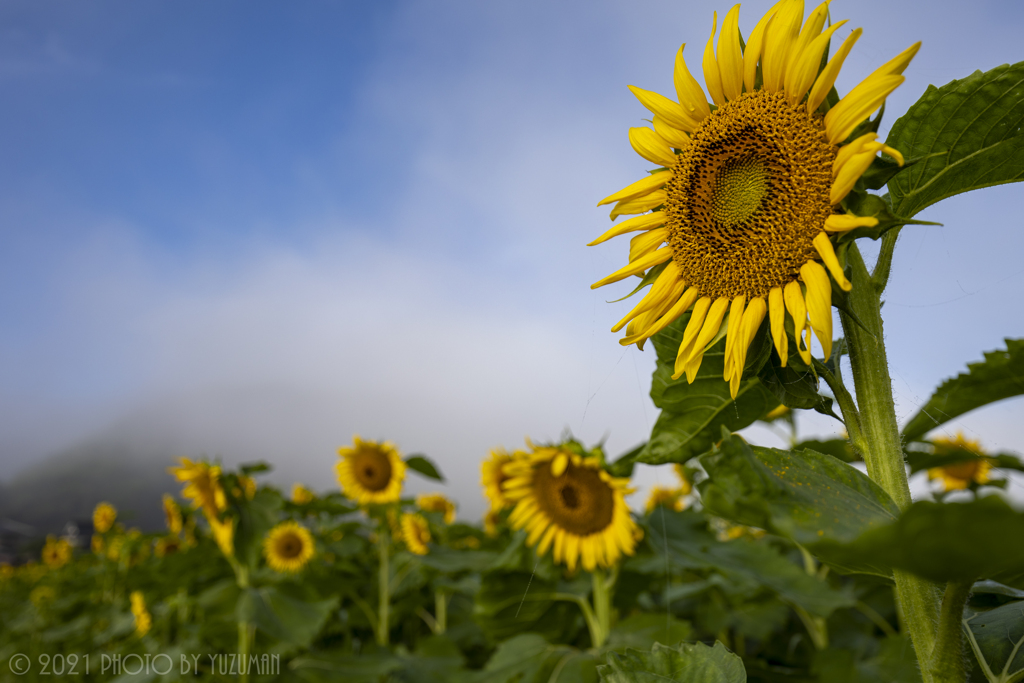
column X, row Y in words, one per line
column 749, row 195
column 288, row 547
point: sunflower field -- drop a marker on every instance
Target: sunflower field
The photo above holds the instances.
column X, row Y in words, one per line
column 809, row 564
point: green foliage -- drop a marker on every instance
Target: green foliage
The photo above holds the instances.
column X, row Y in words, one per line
column 964, row 136
column 421, row 464
column 994, row 624
column 283, row 617
column 684, row 663
column 999, row 376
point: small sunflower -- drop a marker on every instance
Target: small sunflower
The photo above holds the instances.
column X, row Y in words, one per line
column 749, row 192
column 371, row 472
column 202, row 485
column 143, row 620
column 436, row 502
column 172, row 514
column 492, row 476
column 168, row 545
column 663, row 496
column 288, row 547
column 103, row 517
column 56, row 552
column 974, row 469
column 570, row 503
column 96, row 544
column 416, row 533
column 301, row 495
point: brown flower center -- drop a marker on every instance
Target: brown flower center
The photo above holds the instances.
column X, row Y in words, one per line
column 372, row 469
column 578, row 501
column 289, row 546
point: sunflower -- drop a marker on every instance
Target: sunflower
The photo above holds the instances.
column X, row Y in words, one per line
column 371, row 472
column 288, row 547
column 223, row 534
column 103, row 517
column 143, row 620
column 570, row 503
column 56, row 552
column 436, row 502
column 492, row 476
column 202, row 485
column 416, row 533
column 749, row 192
column 168, row 545
column 172, row 514
column 301, row 495
column 96, row 544
column 663, row 496
column 957, row 476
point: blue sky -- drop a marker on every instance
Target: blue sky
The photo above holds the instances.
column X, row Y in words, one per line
column 254, row 229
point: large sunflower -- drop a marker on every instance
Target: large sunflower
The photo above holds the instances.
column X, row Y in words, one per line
column 750, row 189
column 288, row 547
column 569, row 502
column 371, row 472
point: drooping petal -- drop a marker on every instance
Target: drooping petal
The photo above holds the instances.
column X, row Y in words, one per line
column 752, row 318
column 644, row 222
column 841, row 222
column 638, row 205
column 665, row 282
column 712, row 323
column 733, row 332
column 691, row 97
column 798, row 312
column 827, row 78
column 828, row 257
column 777, row 316
column 678, row 308
column 693, row 327
column 730, row 58
column 712, row 76
column 819, row 303
column 641, row 187
column 651, row 146
column 659, row 105
column 648, row 261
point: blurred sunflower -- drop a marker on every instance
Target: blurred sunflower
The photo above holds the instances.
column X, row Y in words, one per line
column 749, row 193
column 371, row 472
column 56, row 552
column 492, row 521
column 172, row 514
column 663, row 496
column 492, row 476
column 41, row 596
column 202, row 485
column 96, row 544
column 143, row 620
column 103, row 517
column 958, row 476
column 416, row 533
column 248, row 485
column 436, row 502
column 167, row 545
column 223, row 534
column 301, row 495
column 570, row 503
column 288, row 547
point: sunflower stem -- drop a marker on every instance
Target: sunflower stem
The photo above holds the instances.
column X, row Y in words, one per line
column 880, row 274
column 384, row 581
column 440, row 611
column 883, row 455
column 947, row 661
column 602, row 607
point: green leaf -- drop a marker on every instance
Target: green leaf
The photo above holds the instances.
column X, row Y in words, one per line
column 254, row 467
column 997, row 638
column 528, row 658
column 451, row 561
column 514, row 602
column 807, row 497
column 685, row 663
column 798, row 390
column 999, row 376
column 623, row 465
column 693, row 414
column 967, row 135
column 947, row 542
column 689, row 544
column 837, row 448
column 643, row 630
column 874, row 206
column 283, row 617
column 424, row 466
column 436, row 660
column 255, row 518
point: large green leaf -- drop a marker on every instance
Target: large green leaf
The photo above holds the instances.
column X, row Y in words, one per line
column 805, row 496
column 997, row 638
column 645, row 629
column 528, row 658
column 421, row 464
column 436, row 660
column 452, row 561
column 999, row 376
column 692, row 415
column 690, row 545
column 966, row 135
column 685, row 663
column 283, row 617
column 514, row 602
column 946, row 542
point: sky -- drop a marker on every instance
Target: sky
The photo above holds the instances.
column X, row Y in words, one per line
column 252, row 230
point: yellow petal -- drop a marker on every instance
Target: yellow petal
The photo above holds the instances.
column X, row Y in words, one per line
column 841, row 222
column 559, row 551
column 672, row 135
column 677, row 309
column 646, row 243
column 847, row 151
column 641, row 187
column 712, row 323
column 827, row 78
column 811, row 29
column 804, row 68
column 777, row 316
column 755, row 47
column 651, row 146
column 664, row 284
column 798, row 312
column 545, row 541
column 696, row 322
column 652, row 259
column 779, row 38
column 852, row 170
column 730, row 59
column 712, row 77
column 691, row 97
column 858, row 104
column 828, row 256
column 819, row 303
column 646, row 221
column 572, row 550
column 558, row 464
column 659, row 105
column 752, row 318
column 733, row 332
column 898, row 64
column 642, row 204
column 587, row 551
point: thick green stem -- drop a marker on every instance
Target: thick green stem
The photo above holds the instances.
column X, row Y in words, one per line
column 948, row 664
column 602, row 607
column 384, row 581
column 883, row 455
column 440, row 611
column 245, row 630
